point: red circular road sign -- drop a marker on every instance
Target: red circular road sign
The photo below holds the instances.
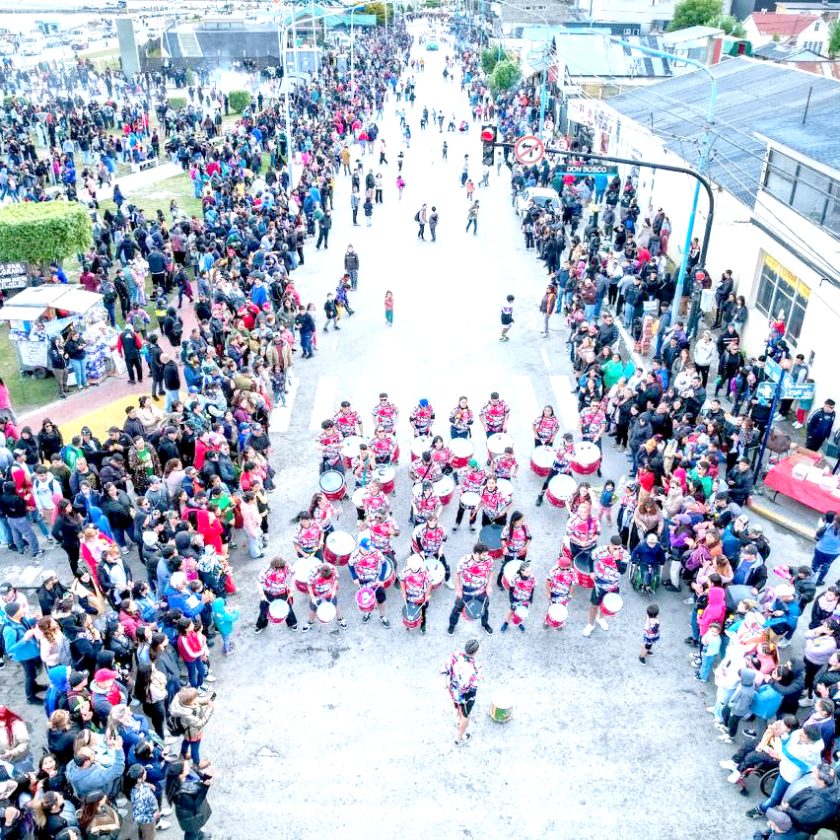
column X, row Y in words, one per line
column 529, row 150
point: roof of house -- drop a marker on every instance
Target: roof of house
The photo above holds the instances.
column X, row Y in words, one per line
column 593, row 53
column 691, row 33
column 786, row 52
column 770, row 23
column 756, row 99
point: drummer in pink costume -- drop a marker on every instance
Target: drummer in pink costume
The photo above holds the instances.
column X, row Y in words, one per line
column 425, row 468
column 582, row 530
column 383, row 445
column 323, row 586
column 309, row 539
column 516, row 537
column 367, row 566
column 471, row 479
column 276, row 582
column 560, row 582
column 610, row 563
column 383, row 528
column 593, row 425
column 561, row 464
column 505, row 465
column 521, row 594
column 347, row 421
column 495, row 414
column 416, row 586
column 425, row 504
column 493, row 504
column 461, row 420
column 323, row 512
column 546, row 427
column 441, row 455
column 373, row 500
column 421, row 418
column 385, row 414
column 473, row 574
column 427, row 540
column 329, row 442
column 364, row 466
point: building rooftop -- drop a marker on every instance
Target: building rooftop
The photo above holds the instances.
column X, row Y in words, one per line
column 756, row 99
column 593, row 54
column 785, row 26
column 690, row 33
column 785, row 52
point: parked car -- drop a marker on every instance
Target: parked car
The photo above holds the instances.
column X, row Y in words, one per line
column 541, row 196
column 432, row 46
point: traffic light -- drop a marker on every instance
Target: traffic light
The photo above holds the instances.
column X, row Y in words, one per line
column 488, row 144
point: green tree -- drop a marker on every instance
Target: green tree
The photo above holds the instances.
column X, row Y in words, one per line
column 695, row 13
column 432, row 4
column 382, row 11
column 505, row 75
column 489, row 59
column 43, row 233
column 729, row 24
column 834, row 39
column 239, row 100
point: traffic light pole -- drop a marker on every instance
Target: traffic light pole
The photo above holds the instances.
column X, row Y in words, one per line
column 701, row 180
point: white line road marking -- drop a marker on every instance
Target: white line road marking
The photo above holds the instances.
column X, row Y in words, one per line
column 324, row 404
column 546, row 360
column 281, row 417
column 524, row 405
column 566, row 406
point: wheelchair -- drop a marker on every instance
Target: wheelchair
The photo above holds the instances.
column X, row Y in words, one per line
column 766, row 779
column 635, row 575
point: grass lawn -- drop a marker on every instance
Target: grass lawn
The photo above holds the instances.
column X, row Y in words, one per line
column 26, row 391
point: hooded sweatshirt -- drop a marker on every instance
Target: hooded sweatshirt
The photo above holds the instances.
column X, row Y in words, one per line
column 739, row 703
column 715, row 610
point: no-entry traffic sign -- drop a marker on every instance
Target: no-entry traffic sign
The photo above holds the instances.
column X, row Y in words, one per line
column 528, row 150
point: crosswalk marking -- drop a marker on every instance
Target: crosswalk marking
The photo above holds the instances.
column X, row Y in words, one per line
column 324, row 405
column 546, row 360
column 281, row 417
column 566, row 402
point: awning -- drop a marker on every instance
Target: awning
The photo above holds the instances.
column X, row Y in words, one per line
column 21, row 313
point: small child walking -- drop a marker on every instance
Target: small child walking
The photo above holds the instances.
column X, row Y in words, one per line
column 711, row 648
column 651, row 632
column 224, row 619
column 507, row 317
column 608, row 498
column 389, row 308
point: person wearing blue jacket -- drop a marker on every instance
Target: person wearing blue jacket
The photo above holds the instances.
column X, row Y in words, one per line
column 22, row 647
column 86, row 775
column 827, row 546
column 224, row 619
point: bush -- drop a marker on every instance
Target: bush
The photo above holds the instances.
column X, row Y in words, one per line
column 505, row 75
column 239, row 100
column 46, row 232
column 489, row 60
column 177, row 102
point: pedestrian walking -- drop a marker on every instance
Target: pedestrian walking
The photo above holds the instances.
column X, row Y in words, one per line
column 470, row 189
column 421, row 218
column 355, row 201
column 331, row 311
column 650, row 635
column 507, row 317
column 433, row 223
column 400, row 185
column 472, row 219
column 445, row 149
column 389, row 308
column 351, row 266
column 547, row 306
column 462, row 677
column 368, row 208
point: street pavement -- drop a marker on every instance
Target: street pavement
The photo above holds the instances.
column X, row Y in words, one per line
column 350, row 733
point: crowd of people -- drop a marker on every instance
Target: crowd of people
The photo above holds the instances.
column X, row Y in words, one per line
column 126, row 648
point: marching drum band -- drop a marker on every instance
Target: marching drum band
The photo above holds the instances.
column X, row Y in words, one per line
column 365, row 471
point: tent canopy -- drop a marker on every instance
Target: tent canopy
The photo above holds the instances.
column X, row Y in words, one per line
column 30, row 304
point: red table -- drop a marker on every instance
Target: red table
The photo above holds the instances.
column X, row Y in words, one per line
column 780, row 478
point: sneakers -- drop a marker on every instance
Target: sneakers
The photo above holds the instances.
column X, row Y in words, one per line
column 384, row 620
column 306, row 627
column 464, row 741
column 734, row 777
column 450, row 631
column 488, row 630
column 454, row 529
column 210, row 678
column 504, row 628
column 522, row 628
column 725, row 738
column 783, row 643
column 539, row 500
column 258, row 630
column 728, row 764
column 163, row 825
column 2, row 663
column 39, row 553
column 292, row 627
column 472, row 529
column 366, row 618
column 587, row 631
column 602, row 623
column 342, row 623
column 711, row 711
column 806, row 701
column 423, row 629
column 754, row 814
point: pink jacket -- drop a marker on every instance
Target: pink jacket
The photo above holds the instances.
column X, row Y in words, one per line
column 715, row 610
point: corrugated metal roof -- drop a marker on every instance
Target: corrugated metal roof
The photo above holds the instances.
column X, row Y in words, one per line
column 592, row 54
column 757, row 97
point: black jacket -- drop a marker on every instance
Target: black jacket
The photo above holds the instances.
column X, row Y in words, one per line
column 12, row 506
column 155, row 364
column 191, row 806
column 813, row 808
column 171, row 376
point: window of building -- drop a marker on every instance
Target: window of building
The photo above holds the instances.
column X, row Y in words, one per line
column 806, row 190
column 781, row 291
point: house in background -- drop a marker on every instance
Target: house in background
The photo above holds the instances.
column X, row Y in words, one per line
column 809, row 32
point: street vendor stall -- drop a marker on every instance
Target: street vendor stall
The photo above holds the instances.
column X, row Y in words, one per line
column 37, row 314
column 799, row 477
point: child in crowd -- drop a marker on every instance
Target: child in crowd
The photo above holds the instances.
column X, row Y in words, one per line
column 608, row 499
column 650, row 635
column 224, row 619
column 711, row 641
column 506, row 317
column 389, row 308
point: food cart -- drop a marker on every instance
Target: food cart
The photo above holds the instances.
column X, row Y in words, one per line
column 37, row 314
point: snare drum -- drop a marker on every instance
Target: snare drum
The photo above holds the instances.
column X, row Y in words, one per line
column 611, row 604
column 395, row 458
column 501, row 707
column 556, row 616
column 542, row 460
column 332, row 485
column 437, row 573
column 462, row 450
column 387, row 478
column 445, row 489
column 338, row 548
column 278, row 611
column 491, row 536
column 388, row 573
column 497, row 443
column 420, row 445
column 470, row 499
column 560, row 490
column 505, row 486
column 358, row 496
column 585, row 458
column 326, row 612
column 583, row 565
column 520, row 614
column 366, row 599
column 509, row 572
column 473, row 609
column 412, row 615
column 302, row 571
column 350, row 449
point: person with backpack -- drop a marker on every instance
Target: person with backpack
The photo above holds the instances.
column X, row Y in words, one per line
column 826, row 546
column 172, row 326
column 21, row 646
column 420, row 217
column 109, row 300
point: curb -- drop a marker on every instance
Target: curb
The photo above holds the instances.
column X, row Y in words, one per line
column 778, row 519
